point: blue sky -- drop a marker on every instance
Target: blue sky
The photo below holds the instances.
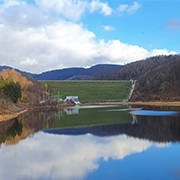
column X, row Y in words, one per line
column 146, row 27
column 43, row 35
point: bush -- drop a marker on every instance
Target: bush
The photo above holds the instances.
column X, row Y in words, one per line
column 11, row 89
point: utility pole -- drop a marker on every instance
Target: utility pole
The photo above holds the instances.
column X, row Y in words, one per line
column 13, row 64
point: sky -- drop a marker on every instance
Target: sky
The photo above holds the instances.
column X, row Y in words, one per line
column 43, row 35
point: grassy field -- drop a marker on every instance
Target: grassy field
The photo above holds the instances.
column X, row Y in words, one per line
column 91, row 90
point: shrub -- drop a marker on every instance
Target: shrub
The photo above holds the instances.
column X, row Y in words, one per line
column 11, row 89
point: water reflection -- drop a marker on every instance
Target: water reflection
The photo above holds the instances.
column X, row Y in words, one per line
column 66, row 157
column 11, row 132
column 107, row 121
column 166, row 129
column 54, row 145
column 71, row 111
column 8, row 131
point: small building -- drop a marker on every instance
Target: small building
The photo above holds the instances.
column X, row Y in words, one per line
column 73, row 98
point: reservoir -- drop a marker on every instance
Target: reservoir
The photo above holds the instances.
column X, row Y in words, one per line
column 92, row 143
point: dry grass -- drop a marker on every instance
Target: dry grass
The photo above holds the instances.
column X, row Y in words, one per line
column 6, row 115
column 16, row 77
column 177, row 103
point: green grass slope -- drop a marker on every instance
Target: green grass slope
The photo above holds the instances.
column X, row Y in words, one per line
column 91, row 90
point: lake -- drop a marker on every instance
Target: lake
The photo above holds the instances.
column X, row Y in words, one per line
column 92, row 142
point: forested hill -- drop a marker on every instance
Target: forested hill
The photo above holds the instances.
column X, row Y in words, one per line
column 160, row 83
column 135, row 69
column 158, row 78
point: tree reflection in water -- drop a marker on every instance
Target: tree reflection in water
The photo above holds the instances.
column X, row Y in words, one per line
column 155, row 128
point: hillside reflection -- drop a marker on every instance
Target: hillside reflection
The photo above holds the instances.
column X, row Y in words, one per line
column 159, row 129
column 11, row 132
column 154, row 128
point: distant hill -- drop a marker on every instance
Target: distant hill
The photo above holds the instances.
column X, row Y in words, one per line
column 70, row 73
column 17, row 70
column 4, row 67
column 76, row 73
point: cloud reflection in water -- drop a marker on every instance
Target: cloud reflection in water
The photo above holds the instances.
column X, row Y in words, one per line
column 49, row 156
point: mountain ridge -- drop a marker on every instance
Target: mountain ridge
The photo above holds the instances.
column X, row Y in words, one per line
column 70, row 73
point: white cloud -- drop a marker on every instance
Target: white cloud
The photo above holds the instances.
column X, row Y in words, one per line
column 108, row 28
column 104, row 7
column 73, row 157
column 70, row 9
column 31, row 31
column 134, row 8
column 123, row 7
column 74, row 9
column 29, row 62
column 118, row 52
column 64, row 44
column 11, row 3
column 130, row 9
column 24, row 16
column 45, row 10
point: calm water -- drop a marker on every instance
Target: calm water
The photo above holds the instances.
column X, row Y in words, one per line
column 92, row 142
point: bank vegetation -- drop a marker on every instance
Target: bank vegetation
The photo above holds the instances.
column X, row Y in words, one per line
column 19, row 92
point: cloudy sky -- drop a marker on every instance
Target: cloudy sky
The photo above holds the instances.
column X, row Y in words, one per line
column 42, row 35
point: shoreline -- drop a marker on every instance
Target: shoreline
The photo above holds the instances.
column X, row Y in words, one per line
column 9, row 115
column 150, row 103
